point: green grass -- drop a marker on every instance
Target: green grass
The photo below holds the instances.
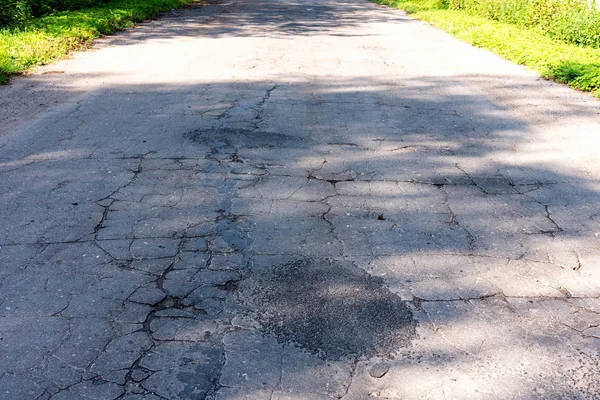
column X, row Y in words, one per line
column 43, row 40
column 576, row 66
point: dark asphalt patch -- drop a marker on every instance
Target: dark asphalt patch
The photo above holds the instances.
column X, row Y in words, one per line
column 245, row 139
column 330, row 308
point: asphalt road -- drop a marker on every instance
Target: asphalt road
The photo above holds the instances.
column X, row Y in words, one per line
column 297, row 200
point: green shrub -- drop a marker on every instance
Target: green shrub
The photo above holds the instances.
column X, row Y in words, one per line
column 570, row 21
column 581, row 27
column 14, row 12
column 441, row 4
column 579, row 75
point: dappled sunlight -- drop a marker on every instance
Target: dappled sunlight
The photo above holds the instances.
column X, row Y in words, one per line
column 224, row 213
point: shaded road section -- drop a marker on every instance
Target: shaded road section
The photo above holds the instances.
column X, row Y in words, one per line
column 297, row 200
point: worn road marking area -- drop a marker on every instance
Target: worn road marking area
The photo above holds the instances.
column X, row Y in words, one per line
column 297, row 200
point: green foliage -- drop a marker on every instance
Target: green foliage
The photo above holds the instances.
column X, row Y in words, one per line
column 580, row 75
column 13, row 12
column 582, row 28
column 573, row 64
column 568, row 20
column 42, row 40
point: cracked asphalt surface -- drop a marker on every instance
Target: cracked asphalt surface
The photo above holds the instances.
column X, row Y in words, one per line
column 162, row 194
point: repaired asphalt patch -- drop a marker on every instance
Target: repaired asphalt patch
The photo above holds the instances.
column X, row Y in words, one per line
column 333, row 309
column 245, row 139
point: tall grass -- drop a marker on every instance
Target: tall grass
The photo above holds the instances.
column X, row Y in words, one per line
column 571, row 21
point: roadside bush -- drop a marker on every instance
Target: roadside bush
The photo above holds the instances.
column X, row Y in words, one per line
column 543, row 12
column 570, row 21
column 581, row 76
column 581, row 28
column 13, row 12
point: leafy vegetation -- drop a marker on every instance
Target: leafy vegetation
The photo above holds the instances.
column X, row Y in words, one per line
column 17, row 11
column 41, row 40
column 571, row 21
column 572, row 60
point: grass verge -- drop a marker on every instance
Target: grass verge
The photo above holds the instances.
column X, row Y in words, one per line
column 576, row 66
column 43, row 40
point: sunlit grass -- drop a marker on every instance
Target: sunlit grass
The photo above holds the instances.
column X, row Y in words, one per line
column 46, row 39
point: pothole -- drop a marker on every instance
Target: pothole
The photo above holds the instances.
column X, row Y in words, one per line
column 331, row 308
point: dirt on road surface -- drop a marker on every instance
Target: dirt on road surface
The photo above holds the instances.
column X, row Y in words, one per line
column 293, row 200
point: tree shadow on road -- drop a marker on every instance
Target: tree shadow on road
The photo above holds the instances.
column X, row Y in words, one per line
column 452, row 201
column 286, row 20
